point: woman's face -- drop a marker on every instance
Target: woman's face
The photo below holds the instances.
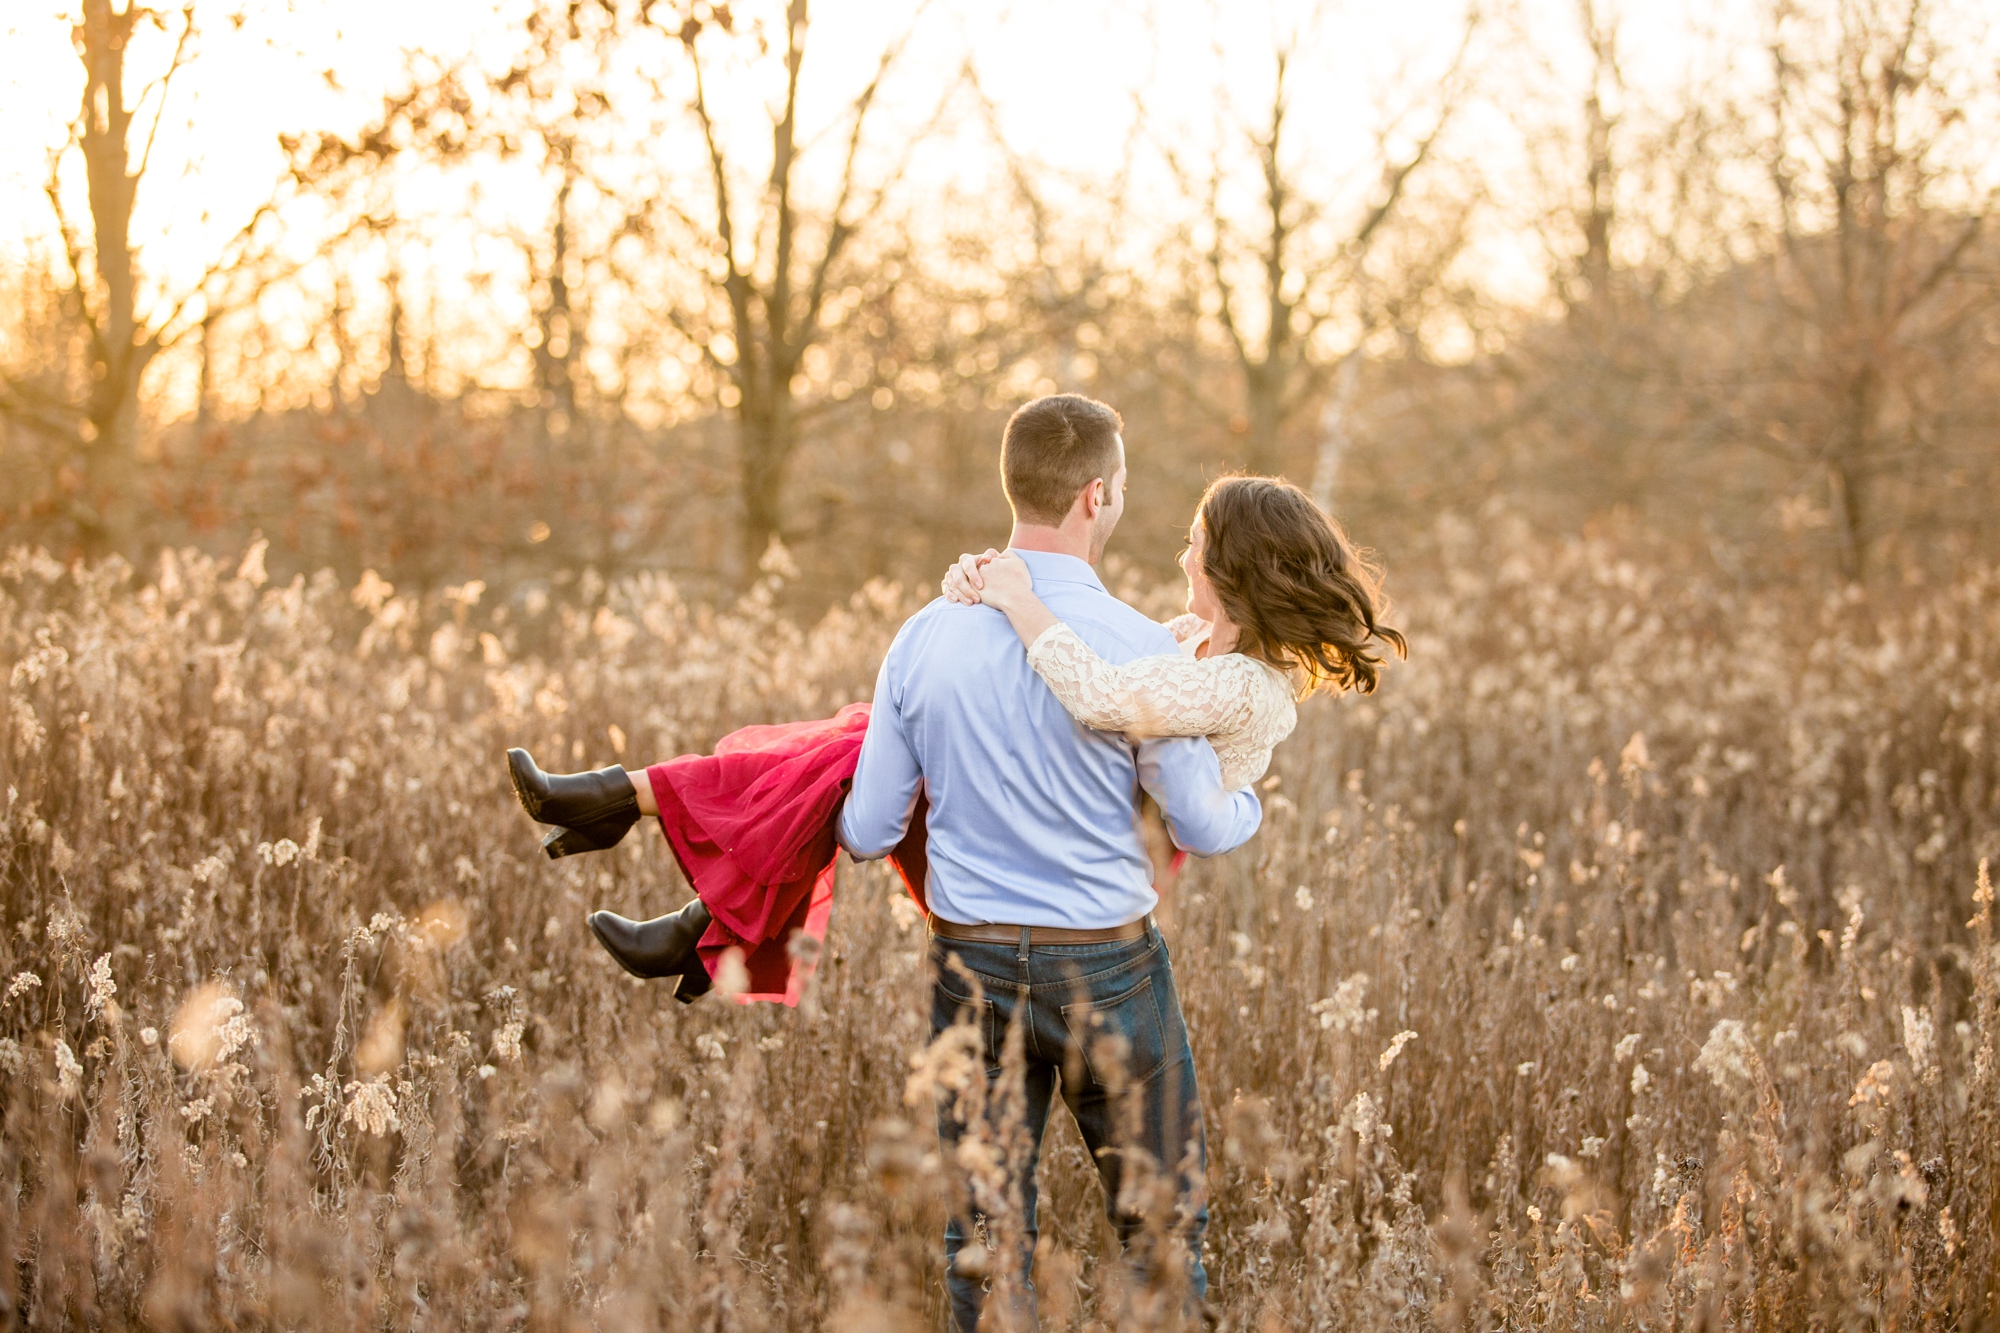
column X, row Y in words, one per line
column 1201, row 599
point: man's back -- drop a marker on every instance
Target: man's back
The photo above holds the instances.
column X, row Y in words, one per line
column 1032, row 816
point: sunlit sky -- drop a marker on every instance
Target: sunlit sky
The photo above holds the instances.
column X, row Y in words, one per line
column 1066, row 78
column 1063, row 75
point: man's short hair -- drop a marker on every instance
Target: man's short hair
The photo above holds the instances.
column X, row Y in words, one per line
column 1053, row 448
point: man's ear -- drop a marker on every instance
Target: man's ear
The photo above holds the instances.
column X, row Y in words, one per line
column 1093, row 498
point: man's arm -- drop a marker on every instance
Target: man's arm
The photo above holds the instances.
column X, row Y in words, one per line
column 1184, row 776
column 886, row 778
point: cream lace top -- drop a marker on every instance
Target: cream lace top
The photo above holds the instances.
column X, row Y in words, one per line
column 1242, row 705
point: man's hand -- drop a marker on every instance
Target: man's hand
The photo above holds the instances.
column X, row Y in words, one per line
column 965, row 581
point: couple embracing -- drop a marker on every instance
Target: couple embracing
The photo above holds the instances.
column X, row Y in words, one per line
column 1018, row 723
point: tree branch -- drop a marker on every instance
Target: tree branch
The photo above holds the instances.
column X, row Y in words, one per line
column 1397, row 178
column 164, row 84
column 72, row 247
column 841, row 229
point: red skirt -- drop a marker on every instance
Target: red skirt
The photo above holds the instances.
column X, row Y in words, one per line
column 752, row 826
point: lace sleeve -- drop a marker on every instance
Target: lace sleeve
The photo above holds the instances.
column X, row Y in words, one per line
column 1166, row 695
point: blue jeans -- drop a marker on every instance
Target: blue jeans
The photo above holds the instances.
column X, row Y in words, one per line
column 1102, row 1023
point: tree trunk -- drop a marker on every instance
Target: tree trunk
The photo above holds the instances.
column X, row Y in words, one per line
column 1600, row 176
column 1336, row 433
column 561, row 338
column 1847, row 474
column 204, row 398
column 1263, row 450
column 1845, row 502
column 117, row 354
column 395, row 386
column 767, row 433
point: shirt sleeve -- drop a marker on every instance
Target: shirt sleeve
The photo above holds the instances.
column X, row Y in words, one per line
column 886, row 778
column 1203, row 817
column 1157, row 695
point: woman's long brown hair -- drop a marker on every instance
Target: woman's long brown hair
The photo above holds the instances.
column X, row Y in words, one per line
column 1303, row 598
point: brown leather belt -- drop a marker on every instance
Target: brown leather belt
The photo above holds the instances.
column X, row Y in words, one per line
column 996, row 934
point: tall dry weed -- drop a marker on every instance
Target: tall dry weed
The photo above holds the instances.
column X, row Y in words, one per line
column 1610, row 968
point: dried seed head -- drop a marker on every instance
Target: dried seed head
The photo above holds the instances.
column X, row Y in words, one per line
column 1920, row 1040
column 1876, row 1086
column 1728, row 1057
column 1344, row 1010
column 69, row 1071
column 100, row 1001
column 1395, row 1048
column 209, row 1027
column 371, row 1108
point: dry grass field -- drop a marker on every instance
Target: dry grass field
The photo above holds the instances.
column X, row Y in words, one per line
column 1625, row 963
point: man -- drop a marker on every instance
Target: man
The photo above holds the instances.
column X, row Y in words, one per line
column 1039, row 882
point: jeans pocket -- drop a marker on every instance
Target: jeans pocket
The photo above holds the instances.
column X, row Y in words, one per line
column 948, row 1008
column 1120, row 1035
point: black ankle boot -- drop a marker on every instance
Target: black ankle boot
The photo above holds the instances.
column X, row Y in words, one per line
column 592, row 811
column 662, row 947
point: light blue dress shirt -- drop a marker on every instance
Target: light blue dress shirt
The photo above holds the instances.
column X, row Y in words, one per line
column 1032, row 816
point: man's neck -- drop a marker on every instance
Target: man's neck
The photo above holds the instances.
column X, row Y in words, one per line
column 1068, row 539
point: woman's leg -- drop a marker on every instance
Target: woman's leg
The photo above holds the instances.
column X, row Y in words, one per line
column 642, row 789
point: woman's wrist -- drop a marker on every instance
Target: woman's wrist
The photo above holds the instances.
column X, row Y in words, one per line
column 1031, row 619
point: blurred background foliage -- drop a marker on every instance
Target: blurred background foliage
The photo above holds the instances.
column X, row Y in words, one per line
column 1749, row 323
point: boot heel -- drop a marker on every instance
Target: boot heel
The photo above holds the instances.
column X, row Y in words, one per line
column 589, row 838
column 694, row 983
column 564, row 842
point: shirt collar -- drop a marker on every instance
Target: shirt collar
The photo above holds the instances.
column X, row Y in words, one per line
column 1049, row 567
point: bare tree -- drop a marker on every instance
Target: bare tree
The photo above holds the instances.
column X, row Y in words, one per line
column 104, row 269
column 1590, row 282
column 1588, row 373
column 776, row 262
column 549, row 106
column 555, row 105
column 1879, row 203
column 1775, row 294
column 1300, row 290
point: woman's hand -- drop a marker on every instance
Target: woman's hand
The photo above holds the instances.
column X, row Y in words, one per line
column 1003, row 583
column 1007, row 584
column 964, row 581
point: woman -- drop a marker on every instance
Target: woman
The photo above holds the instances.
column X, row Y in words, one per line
column 1279, row 605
